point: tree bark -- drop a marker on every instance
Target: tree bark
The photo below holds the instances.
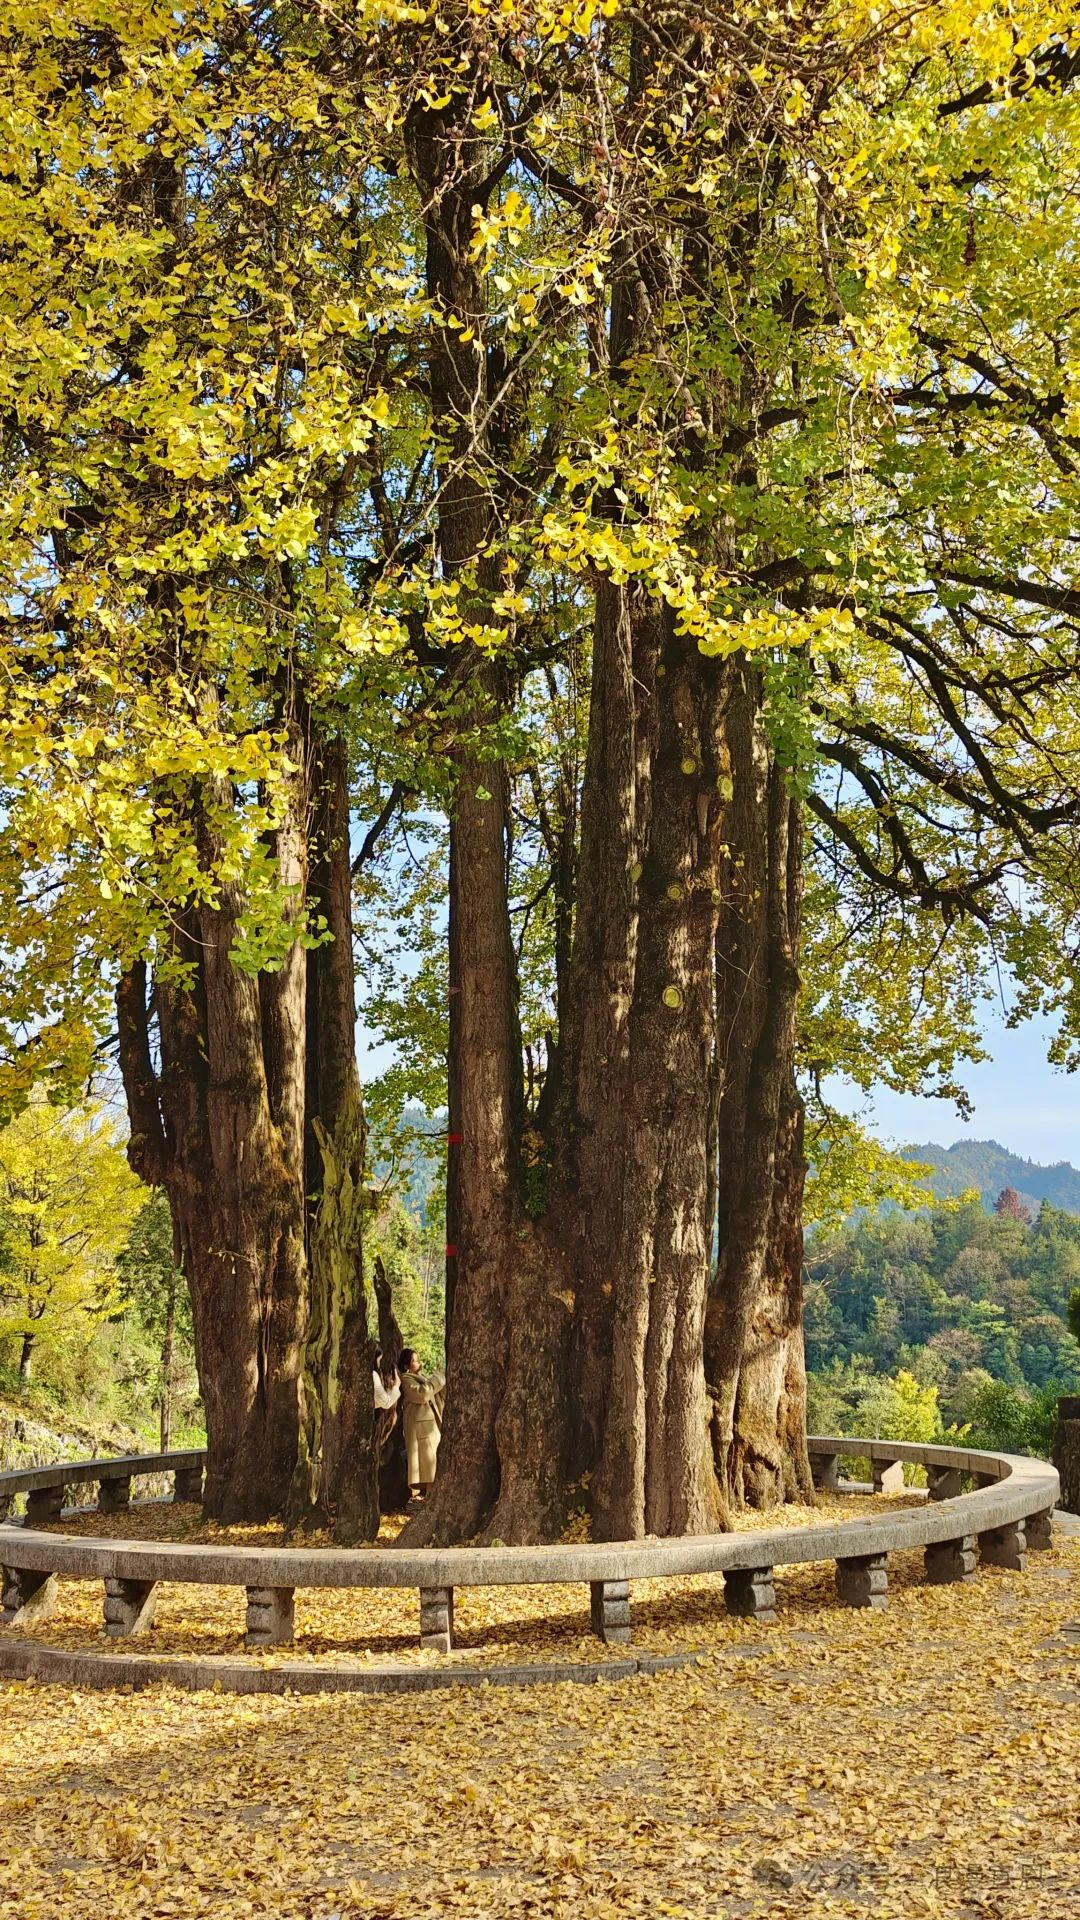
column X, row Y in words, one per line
column 496, row 1286
column 753, row 1341
column 654, row 1473
column 26, row 1358
column 336, row 1481
column 588, row 1131
column 167, row 1348
column 251, row 1120
column 238, row 1206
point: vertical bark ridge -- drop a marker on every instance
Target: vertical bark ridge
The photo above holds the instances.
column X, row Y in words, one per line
column 230, row 1121
column 485, row 1073
column 753, row 1320
column 337, row 1469
column 586, row 1193
column 655, row 1472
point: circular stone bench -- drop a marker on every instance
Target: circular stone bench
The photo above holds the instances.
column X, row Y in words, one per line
column 1008, row 1510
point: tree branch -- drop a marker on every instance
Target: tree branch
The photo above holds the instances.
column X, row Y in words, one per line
column 147, row 1150
column 394, row 798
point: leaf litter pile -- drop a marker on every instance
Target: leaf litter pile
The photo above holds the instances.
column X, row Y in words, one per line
column 923, row 1759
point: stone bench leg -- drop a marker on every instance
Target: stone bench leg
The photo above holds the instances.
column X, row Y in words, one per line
column 1004, row 1547
column 188, row 1484
column 888, row 1476
column 1039, row 1529
column 46, row 1504
column 949, row 1560
column 749, row 1593
column 27, row 1596
column 114, row 1495
column 862, row 1581
column 825, row 1469
column 609, row 1610
column 269, row 1616
column 944, row 1483
column 129, row 1606
column 436, row 1619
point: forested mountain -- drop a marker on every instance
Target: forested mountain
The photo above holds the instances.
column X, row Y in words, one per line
column 951, row 1296
column 985, row 1165
column 411, row 1158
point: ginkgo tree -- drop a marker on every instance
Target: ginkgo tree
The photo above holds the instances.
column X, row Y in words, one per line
column 183, row 647
column 733, row 475
column 385, row 388
column 67, row 1201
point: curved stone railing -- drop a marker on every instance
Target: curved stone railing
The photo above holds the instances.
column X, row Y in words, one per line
column 1008, row 1510
column 45, row 1487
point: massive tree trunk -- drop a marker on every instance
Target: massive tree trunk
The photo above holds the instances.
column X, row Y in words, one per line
column 589, row 1122
column 753, row 1344
column 336, row 1480
column 576, row 1340
column 509, row 1305
column 654, row 1474
column 483, row 1206
column 202, row 1127
column 266, row 1229
column 678, row 1108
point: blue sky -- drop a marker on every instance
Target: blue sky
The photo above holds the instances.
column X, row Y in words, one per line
column 1019, row 1100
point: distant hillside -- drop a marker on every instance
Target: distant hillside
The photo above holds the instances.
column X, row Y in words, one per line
column 418, row 1159
column 955, row 1299
column 990, row 1167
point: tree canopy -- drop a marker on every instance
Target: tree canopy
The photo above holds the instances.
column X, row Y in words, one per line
column 67, row 1200
column 584, row 495
column 215, row 428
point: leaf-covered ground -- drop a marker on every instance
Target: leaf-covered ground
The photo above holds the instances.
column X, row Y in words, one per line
column 920, row 1760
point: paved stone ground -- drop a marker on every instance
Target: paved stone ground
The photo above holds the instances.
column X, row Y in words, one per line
column 918, row 1761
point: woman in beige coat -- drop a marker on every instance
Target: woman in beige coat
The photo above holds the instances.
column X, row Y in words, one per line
column 421, row 1406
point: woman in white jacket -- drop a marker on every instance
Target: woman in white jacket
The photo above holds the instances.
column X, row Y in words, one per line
column 385, row 1397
